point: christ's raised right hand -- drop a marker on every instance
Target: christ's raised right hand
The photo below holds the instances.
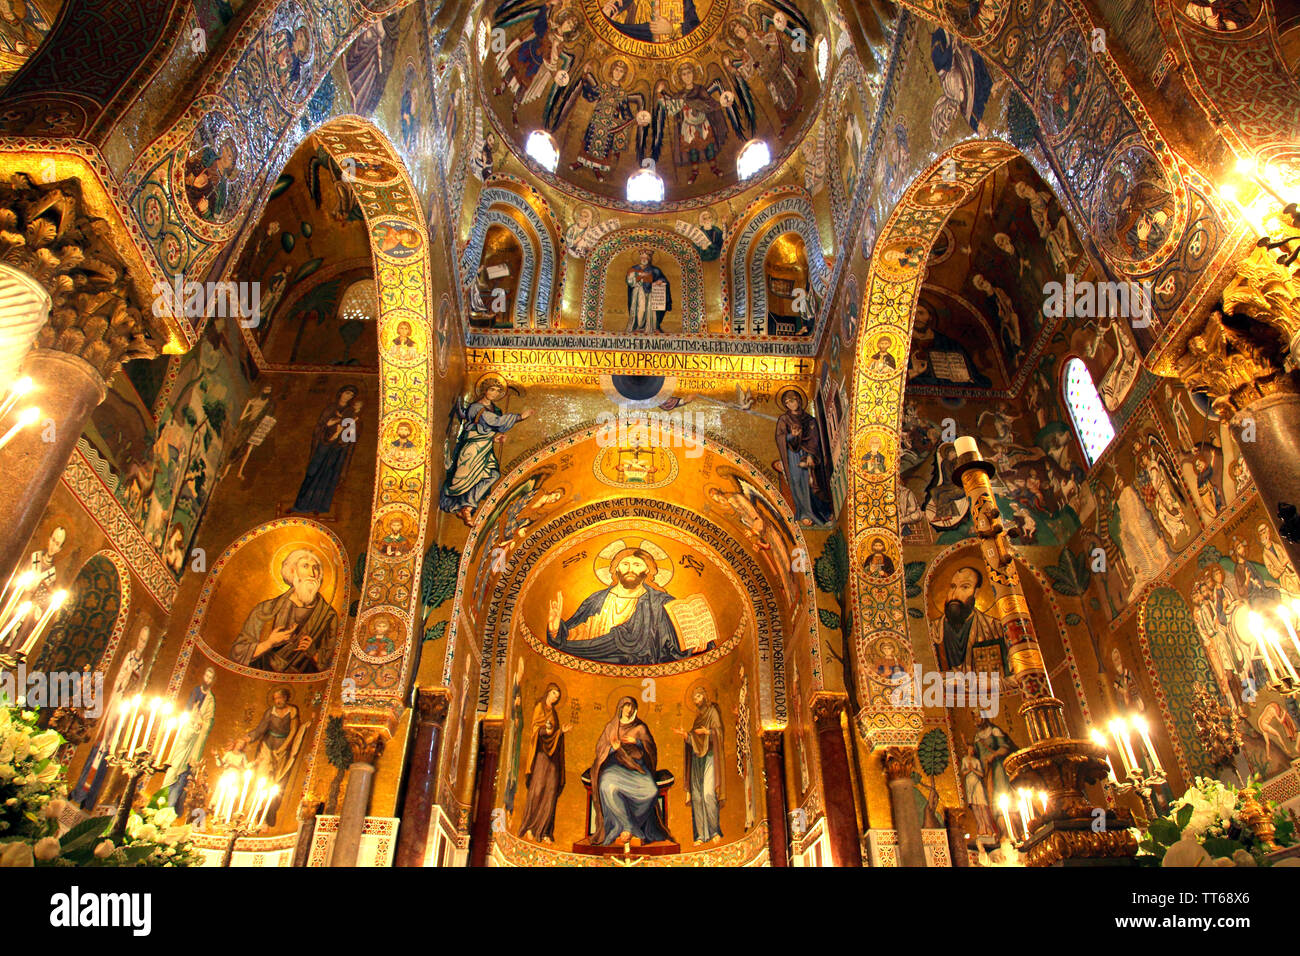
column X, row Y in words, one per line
column 555, row 609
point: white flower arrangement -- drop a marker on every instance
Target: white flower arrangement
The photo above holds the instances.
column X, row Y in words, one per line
column 1207, row 826
column 33, row 798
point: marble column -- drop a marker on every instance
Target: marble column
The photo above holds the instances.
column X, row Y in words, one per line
column 66, row 389
column 837, row 781
column 778, row 837
column 422, row 775
column 899, row 762
column 308, row 811
column 367, row 744
column 1243, row 360
column 491, row 732
column 957, row 848
column 66, row 293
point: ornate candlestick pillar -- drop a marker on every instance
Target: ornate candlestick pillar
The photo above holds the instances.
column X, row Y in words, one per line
column 60, row 261
column 1244, row 359
column 367, row 744
column 1053, row 761
column 837, row 781
column 422, row 774
column 778, row 838
column 899, row 763
column 491, row 732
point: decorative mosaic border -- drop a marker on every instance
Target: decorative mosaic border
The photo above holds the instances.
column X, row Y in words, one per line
column 103, row 508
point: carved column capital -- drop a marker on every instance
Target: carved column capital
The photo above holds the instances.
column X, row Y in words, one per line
column 826, row 709
column 774, row 742
column 367, row 743
column 1246, row 350
column 899, row 762
column 432, row 704
column 95, row 313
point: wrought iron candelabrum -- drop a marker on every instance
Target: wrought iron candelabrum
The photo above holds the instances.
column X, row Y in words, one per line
column 140, row 745
column 136, row 767
column 233, row 815
column 1141, row 775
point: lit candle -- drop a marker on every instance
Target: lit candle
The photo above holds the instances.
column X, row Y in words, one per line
column 270, row 795
column 164, row 739
column 1100, row 741
column 181, row 723
column 155, row 745
column 1042, row 798
column 20, row 585
column 1026, row 809
column 1275, row 642
column 1140, row 724
column 23, row 610
column 259, row 795
column 243, row 793
column 130, row 720
column 148, row 728
column 1286, row 615
column 136, row 727
column 28, row 416
column 1119, row 732
column 56, row 602
column 1262, row 640
column 1004, row 803
column 122, row 710
column 16, row 391
column 225, row 791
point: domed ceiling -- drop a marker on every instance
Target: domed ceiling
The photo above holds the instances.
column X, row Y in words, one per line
column 685, row 84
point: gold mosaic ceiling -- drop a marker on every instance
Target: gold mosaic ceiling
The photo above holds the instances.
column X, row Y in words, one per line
column 685, row 84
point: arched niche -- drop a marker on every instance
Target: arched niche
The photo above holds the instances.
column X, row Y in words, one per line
column 606, row 300
column 715, row 485
column 506, row 204
column 771, row 216
column 494, row 295
column 89, row 626
column 785, row 273
column 249, row 704
column 733, row 546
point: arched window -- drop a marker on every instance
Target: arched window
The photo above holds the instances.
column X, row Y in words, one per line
column 1091, row 423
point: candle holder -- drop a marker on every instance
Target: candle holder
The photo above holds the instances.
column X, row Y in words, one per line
column 234, row 830
column 1053, row 761
column 136, row 767
column 1282, row 674
column 140, row 745
column 232, row 816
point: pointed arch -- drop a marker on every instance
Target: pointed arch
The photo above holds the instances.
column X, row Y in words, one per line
column 889, row 309
column 400, row 250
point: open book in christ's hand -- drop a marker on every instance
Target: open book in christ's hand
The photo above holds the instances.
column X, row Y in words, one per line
column 693, row 621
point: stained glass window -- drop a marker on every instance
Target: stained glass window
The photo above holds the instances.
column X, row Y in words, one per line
column 1091, row 423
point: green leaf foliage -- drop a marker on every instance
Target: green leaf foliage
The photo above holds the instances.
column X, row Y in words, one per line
column 932, row 754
